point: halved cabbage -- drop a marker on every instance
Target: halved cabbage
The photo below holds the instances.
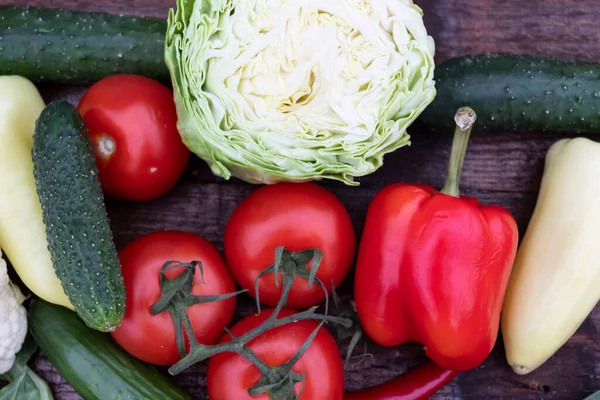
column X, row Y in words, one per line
column 297, row 90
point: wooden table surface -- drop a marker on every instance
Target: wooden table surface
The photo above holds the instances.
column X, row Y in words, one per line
column 501, row 169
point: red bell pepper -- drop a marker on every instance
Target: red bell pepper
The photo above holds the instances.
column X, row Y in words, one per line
column 419, row 384
column 433, row 267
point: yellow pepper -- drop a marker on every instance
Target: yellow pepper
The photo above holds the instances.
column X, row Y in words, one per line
column 555, row 282
column 22, row 230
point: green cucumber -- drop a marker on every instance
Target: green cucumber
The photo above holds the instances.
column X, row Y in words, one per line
column 77, row 227
column 513, row 93
column 92, row 362
column 49, row 45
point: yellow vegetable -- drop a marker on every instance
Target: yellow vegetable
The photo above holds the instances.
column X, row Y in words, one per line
column 556, row 278
column 22, row 231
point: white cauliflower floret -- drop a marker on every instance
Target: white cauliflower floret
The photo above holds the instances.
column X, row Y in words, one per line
column 13, row 319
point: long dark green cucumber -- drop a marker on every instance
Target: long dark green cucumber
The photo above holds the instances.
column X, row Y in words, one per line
column 77, row 227
column 49, row 45
column 92, row 362
column 512, row 93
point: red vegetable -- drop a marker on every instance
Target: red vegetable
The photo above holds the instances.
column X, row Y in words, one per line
column 230, row 375
column 433, row 267
column 298, row 217
column 132, row 124
column 416, row 385
column 152, row 338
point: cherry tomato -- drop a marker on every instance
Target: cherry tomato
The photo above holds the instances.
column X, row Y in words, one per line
column 230, row 375
column 132, row 123
column 298, row 216
column 151, row 338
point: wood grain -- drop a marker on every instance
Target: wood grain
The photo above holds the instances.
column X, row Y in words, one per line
column 561, row 28
column 500, row 169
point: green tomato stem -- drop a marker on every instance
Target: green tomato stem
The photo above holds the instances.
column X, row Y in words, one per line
column 177, row 297
column 294, row 264
column 202, row 352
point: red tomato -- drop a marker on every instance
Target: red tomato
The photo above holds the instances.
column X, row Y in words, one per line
column 151, row 338
column 132, row 124
column 230, row 375
column 298, row 216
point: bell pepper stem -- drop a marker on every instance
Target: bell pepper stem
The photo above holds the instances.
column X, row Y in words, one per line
column 464, row 118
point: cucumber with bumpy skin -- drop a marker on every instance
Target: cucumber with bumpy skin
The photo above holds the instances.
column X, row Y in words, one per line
column 513, row 93
column 50, row 45
column 92, row 362
column 77, row 227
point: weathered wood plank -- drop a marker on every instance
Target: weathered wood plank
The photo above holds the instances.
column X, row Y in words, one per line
column 521, row 156
column 561, row 28
column 511, row 163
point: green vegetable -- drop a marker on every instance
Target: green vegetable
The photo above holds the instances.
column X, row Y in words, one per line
column 24, row 383
column 273, row 91
column 77, row 227
column 92, row 362
column 48, row 45
column 513, row 93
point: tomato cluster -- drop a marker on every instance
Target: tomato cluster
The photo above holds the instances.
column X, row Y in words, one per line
column 293, row 216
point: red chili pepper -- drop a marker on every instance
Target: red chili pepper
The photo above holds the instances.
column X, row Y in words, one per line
column 433, row 267
column 416, row 385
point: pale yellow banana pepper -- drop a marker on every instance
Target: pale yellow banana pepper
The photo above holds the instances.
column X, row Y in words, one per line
column 22, row 230
column 555, row 282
